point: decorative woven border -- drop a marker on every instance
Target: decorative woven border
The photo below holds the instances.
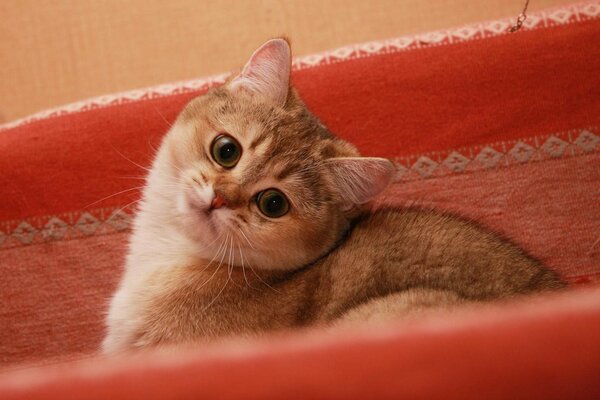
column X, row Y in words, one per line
column 498, row 155
column 483, row 30
column 72, row 225
column 105, row 221
column 543, row 19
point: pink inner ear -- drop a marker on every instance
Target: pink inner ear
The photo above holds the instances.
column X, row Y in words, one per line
column 360, row 179
column 267, row 73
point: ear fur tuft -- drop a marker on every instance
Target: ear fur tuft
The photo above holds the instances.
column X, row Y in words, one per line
column 360, row 179
column 267, row 73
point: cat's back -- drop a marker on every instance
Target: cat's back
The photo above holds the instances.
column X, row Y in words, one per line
column 395, row 249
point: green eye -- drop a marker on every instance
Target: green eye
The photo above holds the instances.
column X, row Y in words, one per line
column 226, row 151
column 272, row 203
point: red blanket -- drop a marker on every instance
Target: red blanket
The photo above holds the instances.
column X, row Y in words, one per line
column 501, row 128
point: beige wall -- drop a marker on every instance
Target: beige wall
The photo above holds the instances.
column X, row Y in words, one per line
column 57, row 51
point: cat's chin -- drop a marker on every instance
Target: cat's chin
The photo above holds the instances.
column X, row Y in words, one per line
column 209, row 228
column 199, row 226
column 217, row 237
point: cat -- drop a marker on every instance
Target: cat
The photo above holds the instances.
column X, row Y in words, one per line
column 256, row 218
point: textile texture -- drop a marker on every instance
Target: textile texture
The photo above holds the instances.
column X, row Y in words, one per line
column 503, row 129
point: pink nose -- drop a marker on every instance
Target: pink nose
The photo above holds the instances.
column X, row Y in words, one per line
column 218, row 201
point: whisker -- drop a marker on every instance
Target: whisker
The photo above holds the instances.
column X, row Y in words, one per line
column 127, row 205
column 261, row 279
column 214, row 240
column 218, row 250
column 154, row 149
column 131, row 161
column 218, row 267
column 230, row 262
column 224, row 286
column 224, row 251
column 113, row 195
column 244, row 268
column 216, row 297
column 250, row 266
column 246, row 237
column 142, row 178
column 176, row 167
column 163, row 117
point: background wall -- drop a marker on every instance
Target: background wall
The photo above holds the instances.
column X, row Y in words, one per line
column 58, row 51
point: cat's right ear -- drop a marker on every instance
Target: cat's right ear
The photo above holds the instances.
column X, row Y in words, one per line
column 267, row 73
column 360, row 179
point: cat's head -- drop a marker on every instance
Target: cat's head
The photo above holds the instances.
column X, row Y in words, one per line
column 255, row 178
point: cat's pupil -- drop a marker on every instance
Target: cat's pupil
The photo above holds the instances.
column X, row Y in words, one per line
column 228, row 151
column 274, row 204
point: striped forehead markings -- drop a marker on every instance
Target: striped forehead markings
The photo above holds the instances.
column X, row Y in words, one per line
column 257, row 140
column 287, row 170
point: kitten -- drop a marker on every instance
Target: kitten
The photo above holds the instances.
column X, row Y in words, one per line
column 256, row 218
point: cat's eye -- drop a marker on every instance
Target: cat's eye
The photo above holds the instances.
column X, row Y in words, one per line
column 272, row 203
column 226, row 151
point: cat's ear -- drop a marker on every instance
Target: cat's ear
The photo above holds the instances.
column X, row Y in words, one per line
column 267, row 73
column 360, row 179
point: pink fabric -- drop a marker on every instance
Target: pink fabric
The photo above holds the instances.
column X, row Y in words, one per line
column 544, row 350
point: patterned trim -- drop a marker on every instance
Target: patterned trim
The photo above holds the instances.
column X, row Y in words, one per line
column 73, row 225
column 196, row 85
column 498, row 155
column 105, row 221
column 543, row 19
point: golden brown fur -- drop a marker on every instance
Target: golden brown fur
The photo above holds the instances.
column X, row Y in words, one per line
column 195, row 272
column 398, row 261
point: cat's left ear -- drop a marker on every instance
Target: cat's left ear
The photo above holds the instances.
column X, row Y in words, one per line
column 360, row 179
column 267, row 73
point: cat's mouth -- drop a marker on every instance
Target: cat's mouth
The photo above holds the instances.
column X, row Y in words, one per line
column 197, row 210
column 204, row 212
column 209, row 216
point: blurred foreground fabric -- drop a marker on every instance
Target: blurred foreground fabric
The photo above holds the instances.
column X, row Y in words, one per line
column 500, row 128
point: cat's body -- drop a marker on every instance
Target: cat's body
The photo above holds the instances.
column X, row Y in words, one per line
column 210, row 257
column 396, row 260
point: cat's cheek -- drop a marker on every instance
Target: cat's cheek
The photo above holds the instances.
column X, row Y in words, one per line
column 319, row 236
column 282, row 246
column 183, row 206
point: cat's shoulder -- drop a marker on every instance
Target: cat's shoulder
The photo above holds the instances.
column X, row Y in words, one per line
column 398, row 216
column 400, row 222
column 414, row 226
